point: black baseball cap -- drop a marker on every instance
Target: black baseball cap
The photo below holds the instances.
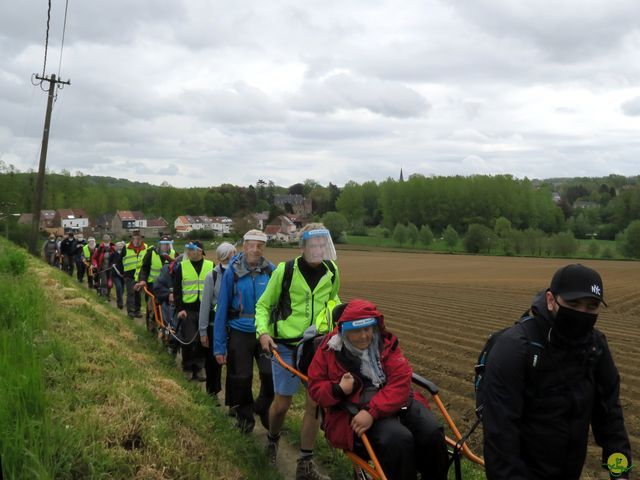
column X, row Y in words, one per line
column 577, row 281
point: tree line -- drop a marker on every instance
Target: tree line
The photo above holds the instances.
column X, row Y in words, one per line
column 600, row 208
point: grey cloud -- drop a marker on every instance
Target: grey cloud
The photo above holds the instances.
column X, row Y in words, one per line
column 631, row 107
column 343, row 91
column 569, row 31
column 240, row 104
column 330, row 129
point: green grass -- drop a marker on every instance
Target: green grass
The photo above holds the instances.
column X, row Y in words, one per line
column 86, row 394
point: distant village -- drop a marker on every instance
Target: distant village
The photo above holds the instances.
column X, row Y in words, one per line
column 282, row 229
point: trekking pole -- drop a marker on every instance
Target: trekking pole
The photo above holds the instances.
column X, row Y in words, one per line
column 105, row 270
column 286, row 366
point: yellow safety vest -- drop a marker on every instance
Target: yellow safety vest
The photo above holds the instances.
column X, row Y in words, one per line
column 192, row 283
column 85, row 251
column 131, row 261
column 156, row 264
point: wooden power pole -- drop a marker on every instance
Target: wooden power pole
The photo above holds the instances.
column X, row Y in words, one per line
column 37, row 201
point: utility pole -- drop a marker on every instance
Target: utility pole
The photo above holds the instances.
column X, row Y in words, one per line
column 37, row 203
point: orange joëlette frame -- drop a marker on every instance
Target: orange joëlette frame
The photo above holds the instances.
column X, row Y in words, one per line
column 157, row 311
column 376, row 471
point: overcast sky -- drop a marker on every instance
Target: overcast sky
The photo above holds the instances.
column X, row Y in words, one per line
column 201, row 93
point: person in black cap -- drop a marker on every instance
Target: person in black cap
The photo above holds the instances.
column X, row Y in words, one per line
column 547, row 379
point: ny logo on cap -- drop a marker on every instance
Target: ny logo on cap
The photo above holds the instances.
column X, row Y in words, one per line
column 595, row 289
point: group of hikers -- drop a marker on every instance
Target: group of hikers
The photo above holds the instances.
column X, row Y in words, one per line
column 107, row 265
column 543, row 381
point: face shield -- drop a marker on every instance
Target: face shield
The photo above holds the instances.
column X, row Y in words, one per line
column 165, row 246
column 317, row 246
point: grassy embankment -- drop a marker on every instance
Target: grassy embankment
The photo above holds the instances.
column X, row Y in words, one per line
column 86, row 394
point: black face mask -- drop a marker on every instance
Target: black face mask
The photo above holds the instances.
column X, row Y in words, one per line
column 572, row 324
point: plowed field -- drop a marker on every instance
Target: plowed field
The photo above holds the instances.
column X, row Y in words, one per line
column 443, row 307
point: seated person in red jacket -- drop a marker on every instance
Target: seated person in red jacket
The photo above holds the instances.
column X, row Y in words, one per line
column 360, row 362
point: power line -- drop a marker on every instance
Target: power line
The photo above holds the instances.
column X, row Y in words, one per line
column 64, row 29
column 46, row 42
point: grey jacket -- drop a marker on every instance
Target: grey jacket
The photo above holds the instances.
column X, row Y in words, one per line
column 209, row 298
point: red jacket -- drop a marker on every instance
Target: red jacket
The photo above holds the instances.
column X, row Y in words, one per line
column 98, row 254
column 325, row 371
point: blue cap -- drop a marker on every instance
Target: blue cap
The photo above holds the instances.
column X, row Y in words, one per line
column 356, row 324
column 194, row 245
column 318, row 232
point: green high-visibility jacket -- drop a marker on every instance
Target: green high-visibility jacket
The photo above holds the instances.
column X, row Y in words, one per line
column 156, row 264
column 86, row 253
column 306, row 305
column 133, row 261
column 192, row 283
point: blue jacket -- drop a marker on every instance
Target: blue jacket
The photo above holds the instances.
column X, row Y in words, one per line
column 239, row 292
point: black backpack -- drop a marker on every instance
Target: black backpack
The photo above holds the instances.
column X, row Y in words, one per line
column 282, row 309
column 535, row 348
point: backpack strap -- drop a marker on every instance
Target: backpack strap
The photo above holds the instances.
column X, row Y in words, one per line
column 283, row 307
column 536, row 343
column 331, row 266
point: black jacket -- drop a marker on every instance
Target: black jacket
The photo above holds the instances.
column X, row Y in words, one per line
column 536, row 419
column 68, row 246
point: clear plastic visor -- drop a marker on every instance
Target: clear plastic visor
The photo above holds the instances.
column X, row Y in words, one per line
column 317, row 246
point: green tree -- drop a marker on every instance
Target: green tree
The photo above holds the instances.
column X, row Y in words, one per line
column 426, row 236
column 261, row 206
column 629, row 240
column 335, row 223
column 350, row 203
column 514, row 242
column 451, row 237
column 502, row 227
column 478, row 238
column 534, row 241
column 593, row 248
column 400, row 234
column 564, row 244
column 412, row 233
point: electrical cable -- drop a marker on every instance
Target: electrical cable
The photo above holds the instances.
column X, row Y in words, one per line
column 46, row 41
column 60, row 86
column 64, row 29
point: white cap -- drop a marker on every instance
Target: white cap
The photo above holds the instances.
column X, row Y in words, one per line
column 255, row 235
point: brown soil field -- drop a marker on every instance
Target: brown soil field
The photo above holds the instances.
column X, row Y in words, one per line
column 443, row 307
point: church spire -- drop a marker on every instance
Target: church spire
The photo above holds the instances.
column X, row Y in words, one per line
column 401, row 176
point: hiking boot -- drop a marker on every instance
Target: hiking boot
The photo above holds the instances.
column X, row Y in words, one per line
column 272, row 451
column 198, row 376
column 307, row 470
column 137, row 314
